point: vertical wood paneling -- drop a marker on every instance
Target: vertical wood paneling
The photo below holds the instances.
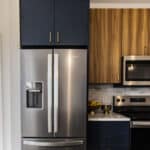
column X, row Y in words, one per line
column 135, row 32
column 105, row 45
column 148, row 32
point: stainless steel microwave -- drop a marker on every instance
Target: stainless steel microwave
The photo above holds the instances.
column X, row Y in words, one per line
column 136, row 71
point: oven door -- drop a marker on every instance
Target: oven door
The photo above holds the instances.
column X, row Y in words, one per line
column 136, row 70
column 140, row 135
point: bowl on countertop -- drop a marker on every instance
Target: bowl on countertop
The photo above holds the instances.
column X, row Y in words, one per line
column 94, row 106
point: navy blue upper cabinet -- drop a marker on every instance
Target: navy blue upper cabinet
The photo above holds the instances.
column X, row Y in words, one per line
column 57, row 23
column 37, row 22
column 71, row 22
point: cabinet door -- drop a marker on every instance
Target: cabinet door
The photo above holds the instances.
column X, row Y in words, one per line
column 105, row 45
column 36, row 66
column 108, row 135
column 70, row 98
column 71, row 22
column 37, row 18
column 135, row 32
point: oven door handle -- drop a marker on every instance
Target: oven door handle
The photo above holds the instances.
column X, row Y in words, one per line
column 140, row 124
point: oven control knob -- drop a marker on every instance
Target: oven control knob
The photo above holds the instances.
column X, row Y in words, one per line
column 118, row 100
column 123, row 100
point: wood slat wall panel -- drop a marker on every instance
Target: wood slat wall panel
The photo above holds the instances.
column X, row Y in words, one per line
column 105, row 45
column 135, row 32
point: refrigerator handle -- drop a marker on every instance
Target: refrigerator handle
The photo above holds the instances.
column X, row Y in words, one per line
column 56, row 91
column 49, row 92
column 53, row 144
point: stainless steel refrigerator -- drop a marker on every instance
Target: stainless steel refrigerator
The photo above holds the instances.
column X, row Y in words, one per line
column 54, row 99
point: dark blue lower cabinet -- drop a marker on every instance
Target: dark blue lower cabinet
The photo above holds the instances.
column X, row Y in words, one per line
column 108, row 135
column 113, row 147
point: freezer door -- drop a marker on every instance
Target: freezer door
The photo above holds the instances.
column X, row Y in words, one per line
column 54, row 144
column 70, row 93
column 36, row 93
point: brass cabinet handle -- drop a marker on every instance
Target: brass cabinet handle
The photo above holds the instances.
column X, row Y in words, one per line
column 58, row 37
column 50, row 37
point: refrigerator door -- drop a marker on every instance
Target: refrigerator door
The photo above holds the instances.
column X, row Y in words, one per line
column 36, row 93
column 70, row 93
column 54, row 144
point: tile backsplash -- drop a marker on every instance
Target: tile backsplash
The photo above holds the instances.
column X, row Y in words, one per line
column 105, row 93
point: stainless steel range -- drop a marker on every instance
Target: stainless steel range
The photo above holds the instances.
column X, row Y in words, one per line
column 138, row 109
column 54, row 99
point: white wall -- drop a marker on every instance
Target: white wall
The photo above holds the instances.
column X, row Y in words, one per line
column 9, row 100
column 5, row 55
column 15, row 76
column 1, row 108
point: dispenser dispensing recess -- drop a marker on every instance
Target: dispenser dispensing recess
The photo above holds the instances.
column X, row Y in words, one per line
column 34, row 94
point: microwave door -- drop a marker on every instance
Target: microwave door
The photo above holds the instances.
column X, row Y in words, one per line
column 70, row 93
column 36, row 93
column 137, row 71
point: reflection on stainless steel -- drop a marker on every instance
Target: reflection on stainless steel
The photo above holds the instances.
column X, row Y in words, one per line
column 72, row 92
column 140, row 124
column 136, row 83
column 131, row 67
column 56, row 91
column 29, row 85
column 137, row 58
column 70, row 65
column 127, row 100
column 46, row 143
column 137, row 108
column 34, row 67
column 34, row 91
column 54, row 99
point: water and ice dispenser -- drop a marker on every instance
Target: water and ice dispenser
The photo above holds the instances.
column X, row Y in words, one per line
column 34, row 94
